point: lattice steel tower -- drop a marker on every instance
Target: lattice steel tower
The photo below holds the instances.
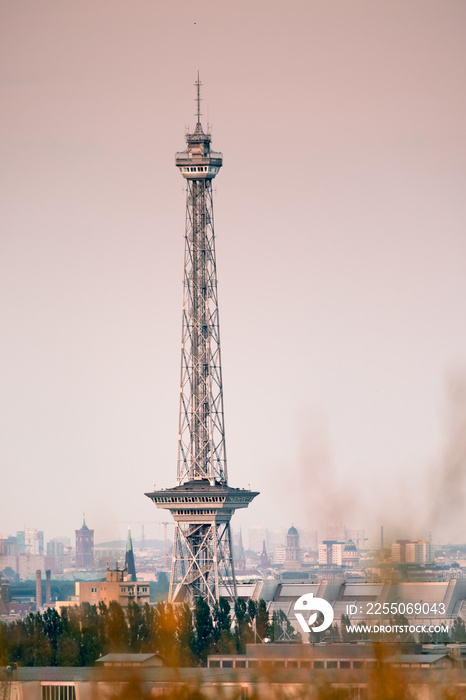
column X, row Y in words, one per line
column 201, row 503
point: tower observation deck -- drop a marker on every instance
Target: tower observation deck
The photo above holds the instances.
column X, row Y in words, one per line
column 201, row 503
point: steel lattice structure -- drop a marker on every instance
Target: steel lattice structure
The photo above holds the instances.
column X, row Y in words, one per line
column 201, row 503
column 201, row 451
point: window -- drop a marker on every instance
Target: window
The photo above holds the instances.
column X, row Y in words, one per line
column 227, row 664
column 345, row 664
column 58, row 691
column 332, row 664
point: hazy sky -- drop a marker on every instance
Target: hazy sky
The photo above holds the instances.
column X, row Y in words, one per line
column 341, row 248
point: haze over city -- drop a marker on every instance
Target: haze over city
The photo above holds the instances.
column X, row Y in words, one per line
column 340, row 217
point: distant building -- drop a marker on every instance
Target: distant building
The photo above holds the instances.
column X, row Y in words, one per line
column 8, row 547
column 279, row 555
column 333, row 553
column 21, row 541
column 325, row 552
column 30, row 541
column 84, row 547
column 411, row 552
column 28, row 564
column 293, row 550
column 118, row 586
column 350, row 555
column 59, row 552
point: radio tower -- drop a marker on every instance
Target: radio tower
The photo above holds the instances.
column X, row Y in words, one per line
column 201, row 503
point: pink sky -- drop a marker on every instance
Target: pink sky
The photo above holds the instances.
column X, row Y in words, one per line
column 340, row 222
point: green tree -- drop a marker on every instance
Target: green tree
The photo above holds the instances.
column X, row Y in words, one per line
column 252, row 609
column 164, row 630
column 262, row 621
column 458, row 631
column 243, row 631
column 185, row 636
column 224, row 641
column 4, row 645
column 203, row 629
column 117, row 628
column 148, row 629
column 53, row 629
column 68, row 651
column 70, row 639
column 92, row 635
column 221, row 614
column 135, row 627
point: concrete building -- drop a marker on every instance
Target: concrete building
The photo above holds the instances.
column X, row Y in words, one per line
column 30, row 541
column 411, row 552
column 28, row 564
column 118, row 587
column 8, row 547
column 279, row 555
column 330, row 553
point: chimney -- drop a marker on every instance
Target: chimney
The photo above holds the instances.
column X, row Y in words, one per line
column 48, row 587
column 38, row 589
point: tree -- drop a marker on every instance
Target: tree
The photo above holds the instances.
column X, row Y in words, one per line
column 203, row 629
column 221, row 614
column 4, row 650
column 135, row 627
column 93, row 642
column 243, row 631
column 458, row 631
column 117, row 629
column 262, row 621
column 224, row 640
column 69, row 641
column 164, row 630
column 53, row 628
column 68, row 651
column 252, row 609
column 148, row 631
column 185, row 636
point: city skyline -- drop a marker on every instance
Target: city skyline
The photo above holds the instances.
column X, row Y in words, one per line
column 340, row 220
